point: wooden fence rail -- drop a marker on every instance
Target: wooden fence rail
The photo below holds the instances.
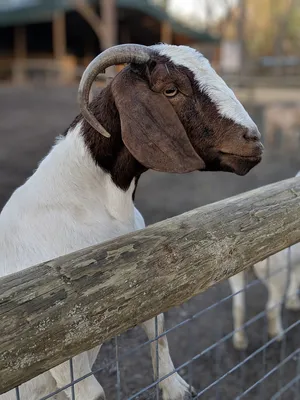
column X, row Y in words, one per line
column 60, row 308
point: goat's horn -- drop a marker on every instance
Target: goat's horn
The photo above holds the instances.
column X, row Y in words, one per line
column 121, row 54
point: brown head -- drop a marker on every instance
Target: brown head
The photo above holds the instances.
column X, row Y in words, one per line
column 167, row 110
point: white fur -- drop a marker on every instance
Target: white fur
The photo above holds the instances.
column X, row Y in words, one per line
column 209, row 81
column 68, row 199
column 274, row 273
column 69, row 203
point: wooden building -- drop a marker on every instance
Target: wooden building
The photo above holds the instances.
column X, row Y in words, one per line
column 53, row 40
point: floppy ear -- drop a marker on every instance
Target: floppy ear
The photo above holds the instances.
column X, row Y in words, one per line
column 151, row 129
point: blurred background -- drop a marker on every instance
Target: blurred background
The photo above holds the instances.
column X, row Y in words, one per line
column 255, row 46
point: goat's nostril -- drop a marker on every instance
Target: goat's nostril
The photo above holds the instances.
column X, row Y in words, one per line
column 252, row 135
column 261, row 146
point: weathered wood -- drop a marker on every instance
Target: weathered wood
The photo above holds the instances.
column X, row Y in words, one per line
column 56, row 310
column 59, row 35
column 20, row 54
column 20, row 39
column 109, row 12
column 166, row 33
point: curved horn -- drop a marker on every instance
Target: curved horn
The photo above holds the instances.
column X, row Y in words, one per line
column 121, row 54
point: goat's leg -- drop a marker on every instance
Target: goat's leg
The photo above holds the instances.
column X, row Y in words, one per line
column 87, row 389
column 35, row 389
column 273, row 310
column 173, row 387
column 292, row 301
column 237, row 284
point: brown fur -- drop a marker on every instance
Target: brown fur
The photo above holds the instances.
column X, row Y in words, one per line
column 178, row 134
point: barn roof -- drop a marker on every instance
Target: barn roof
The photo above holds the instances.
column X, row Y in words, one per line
column 22, row 12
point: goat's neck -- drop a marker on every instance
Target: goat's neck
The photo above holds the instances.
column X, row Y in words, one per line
column 109, row 154
column 89, row 169
column 69, row 176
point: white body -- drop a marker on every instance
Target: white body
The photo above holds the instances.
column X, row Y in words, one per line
column 69, row 203
column 274, row 273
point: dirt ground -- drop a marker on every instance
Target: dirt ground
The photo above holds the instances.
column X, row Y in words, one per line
column 30, row 119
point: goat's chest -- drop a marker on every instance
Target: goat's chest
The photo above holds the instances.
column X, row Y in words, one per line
column 39, row 236
column 75, row 231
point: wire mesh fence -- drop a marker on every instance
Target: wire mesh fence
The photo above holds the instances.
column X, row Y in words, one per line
column 269, row 368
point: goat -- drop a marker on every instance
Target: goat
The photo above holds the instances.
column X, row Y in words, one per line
column 168, row 111
column 274, row 273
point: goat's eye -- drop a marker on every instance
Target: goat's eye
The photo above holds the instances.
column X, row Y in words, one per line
column 171, row 92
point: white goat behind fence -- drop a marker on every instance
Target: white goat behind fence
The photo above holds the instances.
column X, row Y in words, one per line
column 168, row 111
column 276, row 276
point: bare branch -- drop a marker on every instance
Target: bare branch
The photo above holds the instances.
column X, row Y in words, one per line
column 88, row 13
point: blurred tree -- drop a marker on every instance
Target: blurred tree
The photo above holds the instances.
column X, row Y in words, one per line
column 293, row 29
column 106, row 27
column 197, row 13
column 263, row 27
column 272, row 26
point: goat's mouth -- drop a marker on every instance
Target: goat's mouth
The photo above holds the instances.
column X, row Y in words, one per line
column 239, row 164
column 257, row 158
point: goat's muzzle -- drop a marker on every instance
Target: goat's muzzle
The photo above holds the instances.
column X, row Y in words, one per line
column 239, row 155
column 243, row 152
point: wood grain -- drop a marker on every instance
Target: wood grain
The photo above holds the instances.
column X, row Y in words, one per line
column 60, row 308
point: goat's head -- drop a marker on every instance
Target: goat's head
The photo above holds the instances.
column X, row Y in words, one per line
column 176, row 113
